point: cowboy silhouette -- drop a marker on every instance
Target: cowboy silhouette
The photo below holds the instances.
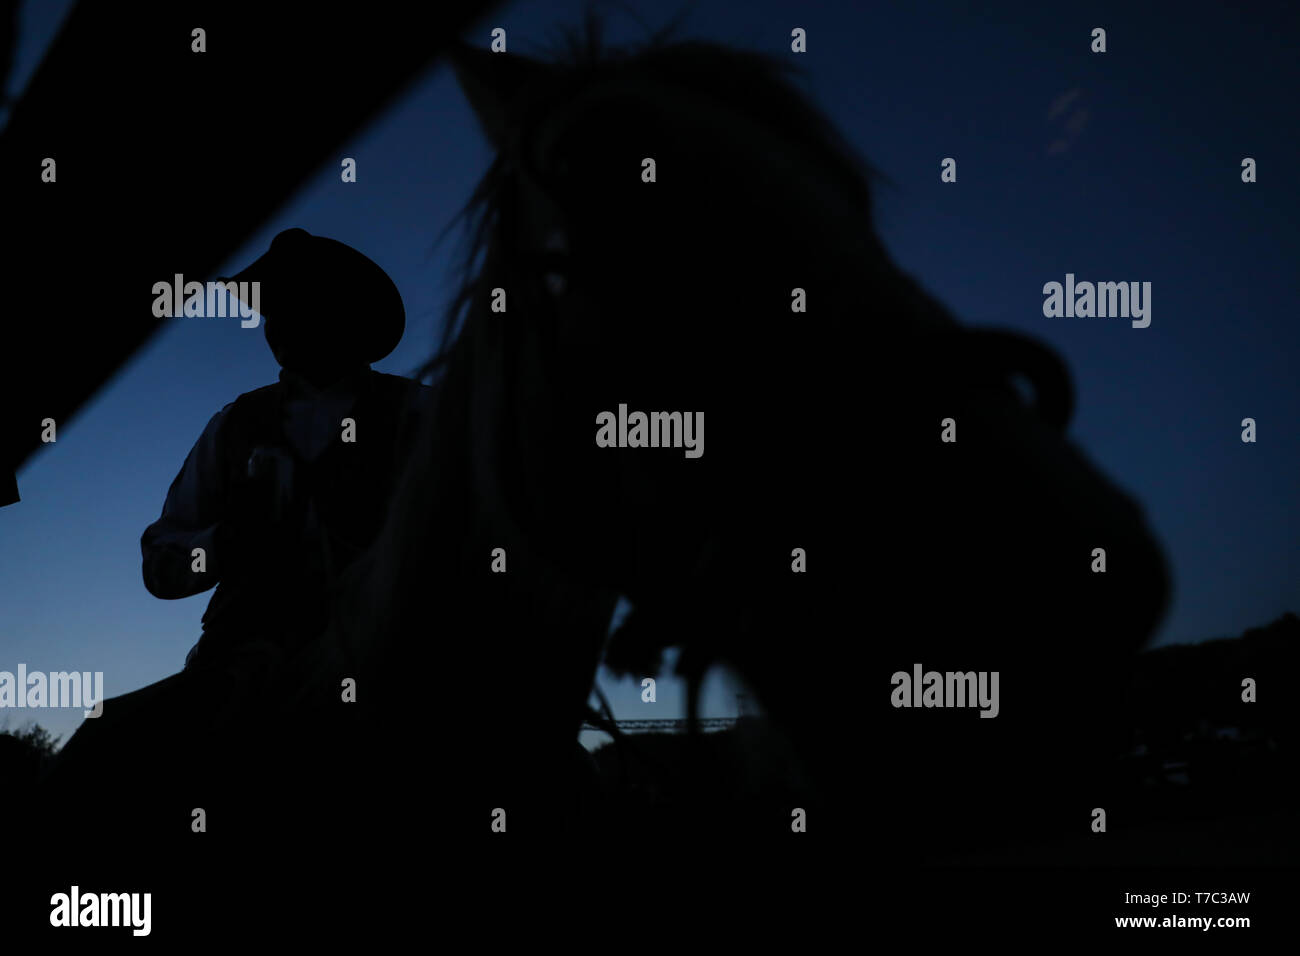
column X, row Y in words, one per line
column 290, row 482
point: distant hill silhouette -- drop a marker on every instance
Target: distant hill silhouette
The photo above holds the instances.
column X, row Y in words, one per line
column 1177, row 686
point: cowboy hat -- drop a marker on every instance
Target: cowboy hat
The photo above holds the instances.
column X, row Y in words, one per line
column 314, row 287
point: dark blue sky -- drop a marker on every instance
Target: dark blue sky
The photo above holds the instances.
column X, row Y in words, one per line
column 1146, row 188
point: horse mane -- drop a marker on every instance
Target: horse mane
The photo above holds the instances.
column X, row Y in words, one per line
column 747, row 83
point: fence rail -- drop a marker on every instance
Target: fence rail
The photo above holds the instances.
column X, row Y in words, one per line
column 667, row 726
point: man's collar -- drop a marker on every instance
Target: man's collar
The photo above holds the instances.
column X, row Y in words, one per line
column 347, row 385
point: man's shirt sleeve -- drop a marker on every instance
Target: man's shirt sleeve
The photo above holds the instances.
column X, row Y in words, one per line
column 189, row 520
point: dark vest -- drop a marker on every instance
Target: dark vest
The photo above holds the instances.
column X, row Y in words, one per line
column 347, row 488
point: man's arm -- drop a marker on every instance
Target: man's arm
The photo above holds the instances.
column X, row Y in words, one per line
column 189, row 520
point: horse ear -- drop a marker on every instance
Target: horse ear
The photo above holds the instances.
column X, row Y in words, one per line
column 493, row 83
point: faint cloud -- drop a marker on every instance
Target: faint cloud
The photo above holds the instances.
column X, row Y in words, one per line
column 1074, row 124
column 1062, row 102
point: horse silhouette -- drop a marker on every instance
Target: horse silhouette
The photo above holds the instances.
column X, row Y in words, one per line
column 824, row 434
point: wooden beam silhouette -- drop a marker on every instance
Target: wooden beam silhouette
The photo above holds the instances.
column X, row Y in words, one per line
column 167, row 160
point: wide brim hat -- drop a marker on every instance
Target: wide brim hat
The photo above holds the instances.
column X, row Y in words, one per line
column 312, row 286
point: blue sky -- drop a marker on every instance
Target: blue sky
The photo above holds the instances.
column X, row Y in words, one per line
column 1142, row 184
